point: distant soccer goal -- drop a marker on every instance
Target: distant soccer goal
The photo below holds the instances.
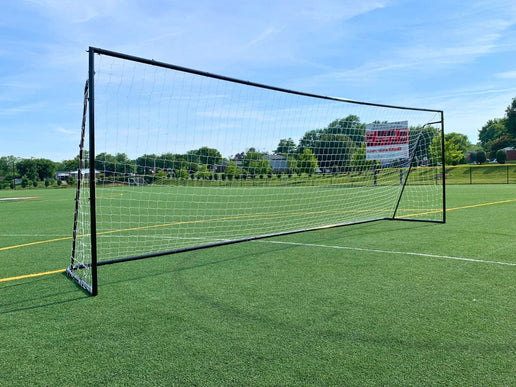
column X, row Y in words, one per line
column 175, row 159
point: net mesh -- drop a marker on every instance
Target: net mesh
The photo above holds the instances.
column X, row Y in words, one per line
column 184, row 160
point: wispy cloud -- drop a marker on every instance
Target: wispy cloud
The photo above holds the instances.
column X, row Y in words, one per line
column 65, row 131
column 507, row 75
column 453, row 55
column 324, row 11
column 20, row 109
column 267, row 34
column 76, row 12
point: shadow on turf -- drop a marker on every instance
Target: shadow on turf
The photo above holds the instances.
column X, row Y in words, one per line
column 325, row 234
column 43, row 294
column 312, row 333
column 181, row 266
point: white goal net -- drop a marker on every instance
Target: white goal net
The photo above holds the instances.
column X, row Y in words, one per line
column 185, row 159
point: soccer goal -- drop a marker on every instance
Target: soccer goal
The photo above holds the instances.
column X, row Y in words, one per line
column 174, row 159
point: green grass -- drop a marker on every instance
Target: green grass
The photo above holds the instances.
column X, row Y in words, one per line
column 372, row 304
column 481, row 174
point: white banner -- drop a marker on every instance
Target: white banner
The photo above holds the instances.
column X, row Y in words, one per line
column 387, row 141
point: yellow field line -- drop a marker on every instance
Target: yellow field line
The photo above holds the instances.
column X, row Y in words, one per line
column 482, row 204
column 34, row 243
column 212, row 220
column 458, row 208
column 31, row 275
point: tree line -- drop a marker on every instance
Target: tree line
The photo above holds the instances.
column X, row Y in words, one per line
column 339, row 147
column 493, row 137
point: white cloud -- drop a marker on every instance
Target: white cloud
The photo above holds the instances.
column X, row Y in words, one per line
column 330, row 11
column 65, row 131
column 76, row 12
column 448, row 55
column 507, row 75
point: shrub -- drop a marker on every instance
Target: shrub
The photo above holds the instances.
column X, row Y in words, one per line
column 501, row 156
column 70, row 180
column 25, row 182
column 481, row 157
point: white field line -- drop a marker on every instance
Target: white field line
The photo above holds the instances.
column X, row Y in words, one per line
column 391, row 252
column 20, row 198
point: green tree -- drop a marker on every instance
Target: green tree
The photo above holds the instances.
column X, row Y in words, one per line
column 334, row 145
column 203, row 172
column 491, row 131
column 105, row 163
column 166, row 161
column 501, row 156
column 286, row 147
column 291, row 164
column 334, row 150
column 460, row 142
column 160, row 177
column 46, row 169
column 150, row 163
column 117, row 164
column 70, row 180
column 182, row 173
column 307, row 162
column 231, row 170
column 253, row 161
column 261, row 166
column 452, row 153
column 251, row 154
column 309, row 140
column 124, row 164
column 481, row 157
column 28, row 168
column 8, row 165
column 25, row 181
column 499, row 133
column 424, row 139
column 207, row 156
column 8, row 169
column 349, row 126
column 68, row 165
column 146, row 164
column 499, row 144
column 510, row 115
column 358, row 159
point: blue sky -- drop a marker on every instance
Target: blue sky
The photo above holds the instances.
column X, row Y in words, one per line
column 457, row 56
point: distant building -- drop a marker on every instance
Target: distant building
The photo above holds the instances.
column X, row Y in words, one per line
column 222, row 166
column 62, row 175
column 278, row 163
column 511, row 153
column 85, row 174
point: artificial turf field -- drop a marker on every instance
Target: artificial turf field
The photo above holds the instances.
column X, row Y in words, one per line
column 384, row 303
